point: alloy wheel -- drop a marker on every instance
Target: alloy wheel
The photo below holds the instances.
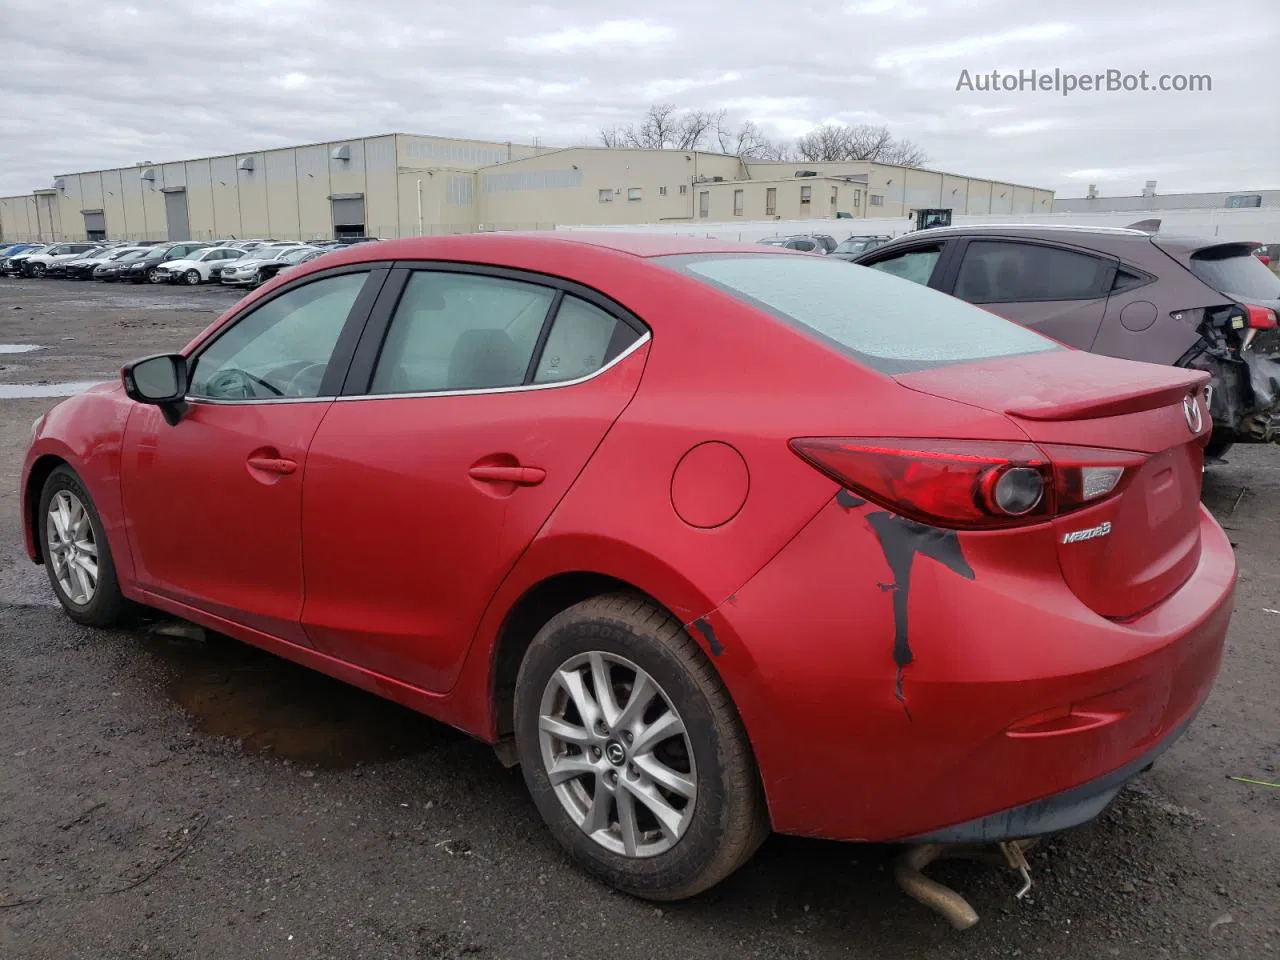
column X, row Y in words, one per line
column 192, row 277
column 617, row 754
column 72, row 547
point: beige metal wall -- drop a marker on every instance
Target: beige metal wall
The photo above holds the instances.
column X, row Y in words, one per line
column 18, row 220
column 567, row 186
column 788, row 199
column 286, row 194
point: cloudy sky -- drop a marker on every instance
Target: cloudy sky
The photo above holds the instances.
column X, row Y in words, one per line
column 88, row 84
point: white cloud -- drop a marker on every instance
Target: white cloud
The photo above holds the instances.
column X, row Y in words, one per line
column 611, row 33
column 81, row 95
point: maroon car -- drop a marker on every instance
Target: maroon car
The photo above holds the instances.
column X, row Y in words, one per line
column 1194, row 302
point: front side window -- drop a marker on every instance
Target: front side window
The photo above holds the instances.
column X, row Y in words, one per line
column 914, row 265
column 281, row 349
column 459, row 331
column 583, row 339
column 888, row 325
column 1000, row 271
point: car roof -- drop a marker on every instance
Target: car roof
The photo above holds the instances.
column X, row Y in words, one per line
column 494, row 247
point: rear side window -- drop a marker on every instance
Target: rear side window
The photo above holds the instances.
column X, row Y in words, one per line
column 914, row 265
column 582, row 339
column 997, row 271
column 889, row 325
column 1235, row 273
column 460, row 331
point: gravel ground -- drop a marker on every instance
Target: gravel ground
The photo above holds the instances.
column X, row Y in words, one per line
column 163, row 796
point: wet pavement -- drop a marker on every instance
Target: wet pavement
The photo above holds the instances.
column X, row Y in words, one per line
column 168, row 793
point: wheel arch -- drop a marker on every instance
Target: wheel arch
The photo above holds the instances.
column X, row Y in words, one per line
column 36, row 478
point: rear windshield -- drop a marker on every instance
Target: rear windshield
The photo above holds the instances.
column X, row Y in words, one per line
column 890, row 324
column 1232, row 271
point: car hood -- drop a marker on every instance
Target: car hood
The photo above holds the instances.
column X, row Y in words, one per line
column 250, row 262
column 178, row 264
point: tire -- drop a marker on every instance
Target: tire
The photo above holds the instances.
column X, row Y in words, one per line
column 38, row 270
column 724, row 821
column 153, row 276
column 105, row 605
column 192, row 278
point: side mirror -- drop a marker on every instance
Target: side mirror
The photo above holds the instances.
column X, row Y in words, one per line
column 160, row 380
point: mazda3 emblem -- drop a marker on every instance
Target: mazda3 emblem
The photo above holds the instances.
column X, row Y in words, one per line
column 1191, row 410
column 614, row 752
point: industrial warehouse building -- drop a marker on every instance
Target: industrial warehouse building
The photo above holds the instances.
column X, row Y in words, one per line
column 399, row 185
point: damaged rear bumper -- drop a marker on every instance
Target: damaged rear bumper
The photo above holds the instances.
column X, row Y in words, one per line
column 1018, row 711
column 1071, row 808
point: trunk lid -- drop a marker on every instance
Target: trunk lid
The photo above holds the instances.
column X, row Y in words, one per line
column 1135, row 547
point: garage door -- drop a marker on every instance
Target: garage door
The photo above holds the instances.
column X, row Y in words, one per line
column 175, row 214
column 348, row 215
column 95, row 225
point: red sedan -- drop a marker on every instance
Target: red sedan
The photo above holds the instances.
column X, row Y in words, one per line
column 713, row 539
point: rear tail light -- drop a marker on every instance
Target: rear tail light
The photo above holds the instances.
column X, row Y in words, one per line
column 971, row 484
column 1259, row 318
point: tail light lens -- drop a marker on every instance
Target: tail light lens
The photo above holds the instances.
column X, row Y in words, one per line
column 1259, row 318
column 971, row 484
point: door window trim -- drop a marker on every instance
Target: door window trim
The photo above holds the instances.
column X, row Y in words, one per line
column 962, row 245
column 359, row 378
column 343, row 350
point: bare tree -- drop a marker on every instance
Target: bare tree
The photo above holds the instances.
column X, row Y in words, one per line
column 747, row 140
column 693, row 127
column 614, row 136
column 831, row 141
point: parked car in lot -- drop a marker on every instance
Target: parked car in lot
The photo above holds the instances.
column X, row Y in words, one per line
column 197, row 267
column 946, row 580
column 293, row 263
column 37, row 264
column 1190, row 302
column 111, row 270
column 12, row 266
column 82, row 268
column 145, row 269
column 804, row 244
column 13, row 250
column 852, row 247
column 260, row 265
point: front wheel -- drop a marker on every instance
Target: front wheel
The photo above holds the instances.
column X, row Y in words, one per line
column 633, row 752
column 38, row 270
column 192, row 277
column 76, row 554
column 153, row 275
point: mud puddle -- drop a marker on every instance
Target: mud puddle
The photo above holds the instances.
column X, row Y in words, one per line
column 27, row 391
column 279, row 709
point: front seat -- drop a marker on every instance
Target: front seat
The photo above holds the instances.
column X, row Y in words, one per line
column 485, row 358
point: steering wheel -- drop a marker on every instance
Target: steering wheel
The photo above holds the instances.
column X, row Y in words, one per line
column 237, row 384
column 306, row 382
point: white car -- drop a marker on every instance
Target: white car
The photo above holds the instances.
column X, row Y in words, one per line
column 201, row 267
column 38, row 264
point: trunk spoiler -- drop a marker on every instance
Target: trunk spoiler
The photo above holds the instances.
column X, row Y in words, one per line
column 1112, row 405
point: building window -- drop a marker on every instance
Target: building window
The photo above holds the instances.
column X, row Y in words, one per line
column 771, row 202
column 835, row 199
column 857, row 198
column 737, row 203
column 662, row 191
column 684, row 188
column 704, row 203
column 877, row 200
column 806, row 194
column 606, row 196
column 633, row 193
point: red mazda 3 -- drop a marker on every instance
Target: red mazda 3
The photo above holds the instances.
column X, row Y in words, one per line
column 712, row 539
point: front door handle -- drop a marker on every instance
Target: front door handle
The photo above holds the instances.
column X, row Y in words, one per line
column 273, row 465
column 520, row 476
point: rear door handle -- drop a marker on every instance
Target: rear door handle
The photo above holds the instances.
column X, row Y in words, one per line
column 273, row 465
column 521, row 476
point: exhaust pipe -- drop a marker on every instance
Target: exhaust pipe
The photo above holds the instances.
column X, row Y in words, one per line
column 908, row 871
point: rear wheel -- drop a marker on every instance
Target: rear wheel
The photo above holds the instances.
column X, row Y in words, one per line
column 633, row 751
column 76, row 554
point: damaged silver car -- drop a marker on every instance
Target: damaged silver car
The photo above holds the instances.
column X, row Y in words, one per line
column 1129, row 292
